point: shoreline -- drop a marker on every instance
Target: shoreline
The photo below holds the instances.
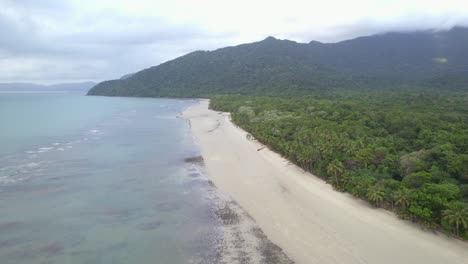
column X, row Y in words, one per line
column 240, row 240
column 304, row 216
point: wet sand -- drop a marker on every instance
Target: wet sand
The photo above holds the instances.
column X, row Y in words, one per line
column 241, row 241
column 302, row 214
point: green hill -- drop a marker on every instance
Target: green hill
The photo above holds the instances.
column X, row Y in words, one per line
column 425, row 59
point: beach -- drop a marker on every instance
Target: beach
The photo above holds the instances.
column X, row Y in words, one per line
column 303, row 215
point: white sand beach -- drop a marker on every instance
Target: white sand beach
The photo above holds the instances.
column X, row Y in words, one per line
column 302, row 214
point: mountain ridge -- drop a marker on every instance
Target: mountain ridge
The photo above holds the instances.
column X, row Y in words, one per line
column 433, row 59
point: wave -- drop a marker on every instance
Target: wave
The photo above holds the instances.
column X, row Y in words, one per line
column 6, row 180
column 44, row 149
column 32, row 164
column 17, row 173
column 27, row 164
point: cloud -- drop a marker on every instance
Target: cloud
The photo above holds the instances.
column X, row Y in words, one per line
column 41, row 45
column 52, row 40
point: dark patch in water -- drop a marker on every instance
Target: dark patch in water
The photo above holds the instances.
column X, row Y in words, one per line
column 150, row 225
column 196, row 184
column 167, row 207
column 9, row 225
column 139, row 189
column 53, row 249
column 206, row 249
column 11, row 242
column 80, row 253
column 195, row 160
column 74, row 240
column 26, row 253
column 56, row 178
column 194, row 174
column 37, row 188
column 117, row 212
column 118, row 246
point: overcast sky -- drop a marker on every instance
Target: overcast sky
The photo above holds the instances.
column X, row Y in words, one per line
column 49, row 41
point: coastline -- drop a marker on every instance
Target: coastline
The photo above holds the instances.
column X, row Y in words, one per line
column 300, row 213
column 240, row 240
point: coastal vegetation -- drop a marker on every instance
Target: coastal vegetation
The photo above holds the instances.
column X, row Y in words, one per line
column 403, row 151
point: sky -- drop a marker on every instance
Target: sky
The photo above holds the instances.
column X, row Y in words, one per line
column 50, row 41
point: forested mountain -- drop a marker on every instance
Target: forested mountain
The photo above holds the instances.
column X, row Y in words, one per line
column 30, row 87
column 425, row 59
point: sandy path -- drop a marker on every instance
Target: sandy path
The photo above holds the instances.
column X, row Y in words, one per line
column 303, row 215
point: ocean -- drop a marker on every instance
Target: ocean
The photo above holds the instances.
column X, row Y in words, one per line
column 101, row 180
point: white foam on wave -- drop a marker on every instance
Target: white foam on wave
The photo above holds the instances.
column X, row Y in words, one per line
column 44, row 149
column 32, row 164
column 7, row 180
column 20, row 172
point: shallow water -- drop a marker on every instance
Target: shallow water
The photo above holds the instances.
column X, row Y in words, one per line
column 100, row 180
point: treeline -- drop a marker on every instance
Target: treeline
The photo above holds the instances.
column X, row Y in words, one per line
column 406, row 152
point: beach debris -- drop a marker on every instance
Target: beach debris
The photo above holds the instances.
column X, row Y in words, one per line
column 198, row 160
column 218, row 124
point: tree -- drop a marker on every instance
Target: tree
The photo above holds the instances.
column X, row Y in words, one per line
column 435, row 198
column 365, row 156
column 456, row 215
column 335, row 169
column 402, row 198
column 414, row 161
column 375, row 195
column 359, row 185
column 418, row 179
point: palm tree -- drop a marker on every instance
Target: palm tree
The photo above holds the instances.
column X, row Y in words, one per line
column 456, row 215
column 375, row 195
column 401, row 198
column 335, row 169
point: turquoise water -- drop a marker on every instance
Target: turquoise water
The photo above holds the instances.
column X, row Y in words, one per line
column 100, row 180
